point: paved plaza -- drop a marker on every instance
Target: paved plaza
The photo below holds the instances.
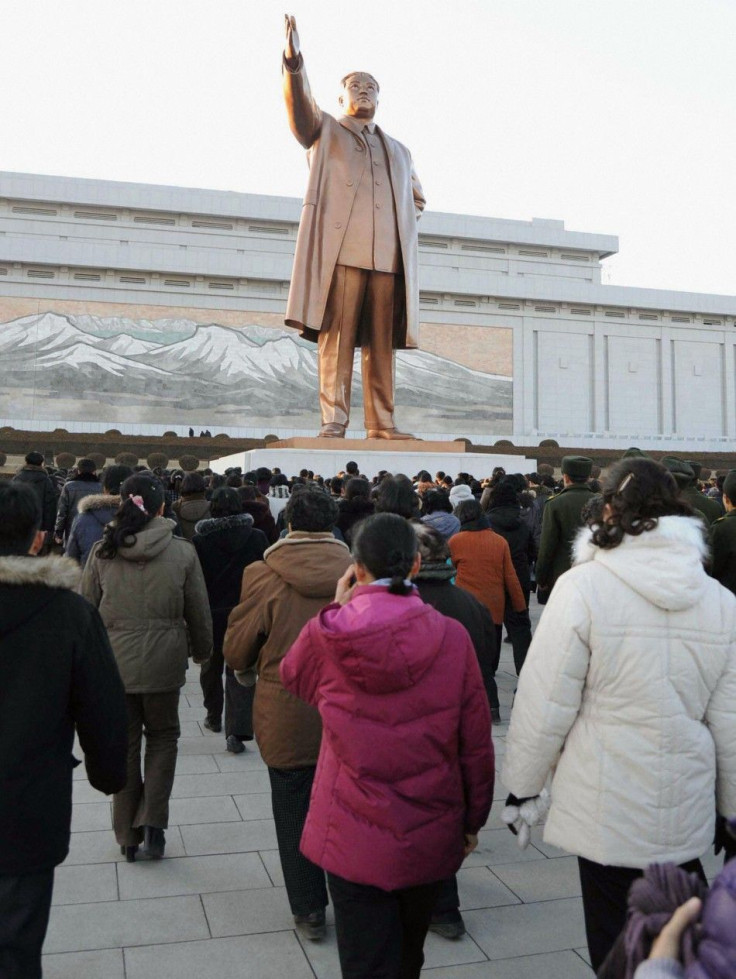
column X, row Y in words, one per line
column 216, row 905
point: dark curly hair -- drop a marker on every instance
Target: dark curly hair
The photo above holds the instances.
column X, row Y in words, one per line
column 386, row 544
column 311, row 509
column 636, row 493
column 130, row 519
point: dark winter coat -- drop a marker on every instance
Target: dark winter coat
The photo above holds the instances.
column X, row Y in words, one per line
column 560, row 524
column 225, row 547
column 434, row 583
column 39, row 481
column 351, row 513
column 507, row 521
column 57, row 672
column 723, row 544
column 711, row 509
column 262, row 518
column 72, row 494
column 94, row 513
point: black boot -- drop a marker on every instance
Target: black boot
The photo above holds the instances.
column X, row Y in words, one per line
column 154, row 842
column 129, row 852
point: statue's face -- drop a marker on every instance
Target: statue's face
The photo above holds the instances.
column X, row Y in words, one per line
column 359, row 96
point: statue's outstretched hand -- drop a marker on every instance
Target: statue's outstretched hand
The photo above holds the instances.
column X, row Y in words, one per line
column 291, row 47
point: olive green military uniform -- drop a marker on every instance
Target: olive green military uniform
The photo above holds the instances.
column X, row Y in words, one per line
column 710, row 508
column 723, row 544
column 561, row 522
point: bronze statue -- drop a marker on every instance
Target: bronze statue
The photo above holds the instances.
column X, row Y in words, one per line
column 355, row 279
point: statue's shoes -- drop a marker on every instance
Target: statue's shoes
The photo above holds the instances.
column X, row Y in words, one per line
column 390, row 433
column 332, row 430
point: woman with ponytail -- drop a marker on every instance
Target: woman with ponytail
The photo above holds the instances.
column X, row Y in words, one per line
column 404, row 779
column 149, row 588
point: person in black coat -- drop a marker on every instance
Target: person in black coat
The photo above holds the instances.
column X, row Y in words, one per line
column 257, row 506
column 226, row 543
column 504, row 517
column 354, row 506
column 435, row 585
column 34, row 475
column 57, row 673
column 83, row 483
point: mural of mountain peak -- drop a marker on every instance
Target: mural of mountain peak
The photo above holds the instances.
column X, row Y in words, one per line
column 175, row 371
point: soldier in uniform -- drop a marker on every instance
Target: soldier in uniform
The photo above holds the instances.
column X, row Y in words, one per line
column 561, row 521
column 723, row 537
column 711, row 509
column 686, row 481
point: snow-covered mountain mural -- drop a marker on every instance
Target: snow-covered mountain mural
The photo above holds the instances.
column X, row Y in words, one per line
column 177, row 371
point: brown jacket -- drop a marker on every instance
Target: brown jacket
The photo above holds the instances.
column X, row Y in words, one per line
column 336, row 159
column 153, row 601
column 279, row 596
column 485, row 569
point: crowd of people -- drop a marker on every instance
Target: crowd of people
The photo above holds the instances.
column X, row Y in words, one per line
column 352, row 625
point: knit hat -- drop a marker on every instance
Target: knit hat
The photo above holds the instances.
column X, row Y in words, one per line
column 459, row 493
column 729, row 485
column 680, row 470
column 577, row 467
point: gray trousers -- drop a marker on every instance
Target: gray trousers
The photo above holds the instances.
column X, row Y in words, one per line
column 145, row 799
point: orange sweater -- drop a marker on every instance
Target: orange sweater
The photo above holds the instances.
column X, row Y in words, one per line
column 484, row 568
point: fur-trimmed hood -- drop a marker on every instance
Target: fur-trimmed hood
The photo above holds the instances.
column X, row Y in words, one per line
column 51, row 572
column 214, row 525
column 99, row 501
column 664, row 565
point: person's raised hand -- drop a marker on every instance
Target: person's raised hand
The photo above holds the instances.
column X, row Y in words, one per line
column 291, row 48
column 667, row 943
column 345, row 586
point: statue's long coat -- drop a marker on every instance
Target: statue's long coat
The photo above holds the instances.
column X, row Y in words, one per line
column 336, row 158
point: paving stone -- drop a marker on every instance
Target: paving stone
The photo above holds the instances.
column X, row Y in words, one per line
column 498, row 846
column 249, row 761
column 553, row 852
column 83, row 792
column 223, row 783
column 439, row 952
column 196, row 765
column 270, row 956
column 191, row 875
column 107, row 964
column 100, row 847
column 272, row 862
column 554, row 965
column 480, row 888
column 85, row 884
column 233, row 837
column 89, row 816
column 191, row 729
column 532, row 928
column 541, row 881
column 196, row 746
column 584, row 954
column 248, row 912
column 203, row 809
column 254, row 806
column 78, row 927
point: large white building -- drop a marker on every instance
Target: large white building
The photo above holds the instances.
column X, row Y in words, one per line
column 150, row 308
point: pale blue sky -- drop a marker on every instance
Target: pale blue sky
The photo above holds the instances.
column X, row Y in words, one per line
column 616, row 116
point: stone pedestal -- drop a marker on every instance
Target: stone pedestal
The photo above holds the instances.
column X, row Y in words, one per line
column 326, row 457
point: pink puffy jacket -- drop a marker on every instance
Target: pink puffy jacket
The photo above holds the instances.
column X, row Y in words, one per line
column 406, row 762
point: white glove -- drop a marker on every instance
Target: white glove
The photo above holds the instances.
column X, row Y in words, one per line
column 521, row 815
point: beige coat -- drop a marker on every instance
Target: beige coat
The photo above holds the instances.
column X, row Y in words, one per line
column 279, row 596
column 335, row 169
column 153, row 600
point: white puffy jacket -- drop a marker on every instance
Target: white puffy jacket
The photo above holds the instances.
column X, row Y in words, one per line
column 628, row 695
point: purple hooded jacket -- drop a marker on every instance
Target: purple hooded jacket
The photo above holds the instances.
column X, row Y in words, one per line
column 406, row 762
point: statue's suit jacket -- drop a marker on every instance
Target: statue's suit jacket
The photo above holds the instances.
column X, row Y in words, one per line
column 336, row 158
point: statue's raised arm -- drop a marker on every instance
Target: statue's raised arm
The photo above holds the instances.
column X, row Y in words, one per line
column 305, row 116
